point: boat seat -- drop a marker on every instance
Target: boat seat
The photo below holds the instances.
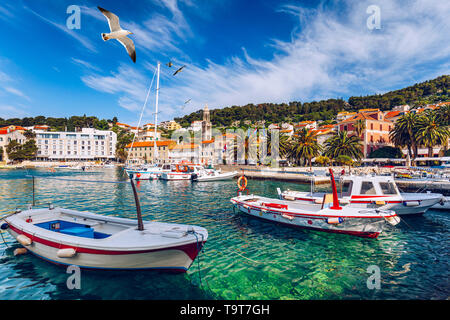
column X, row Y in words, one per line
column 79, row 232
column 327, row 200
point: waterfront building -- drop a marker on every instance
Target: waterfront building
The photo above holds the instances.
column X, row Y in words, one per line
column 376, row 132
column 341, row 116
column 170, row 125
column 148, row 134
column 8, row 134
column 185, row 151
column 89, row 144
column 145, row 151
column 306, row 125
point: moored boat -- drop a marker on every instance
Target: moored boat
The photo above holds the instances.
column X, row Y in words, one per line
column 372, row 191
column 70, row 237
column 321, row 217
column 181, row 172
column 213, row 175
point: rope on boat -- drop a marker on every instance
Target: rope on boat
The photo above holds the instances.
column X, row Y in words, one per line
column 198, row 258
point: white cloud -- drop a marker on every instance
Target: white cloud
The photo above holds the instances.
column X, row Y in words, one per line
column 85, row 64
column 330, row 54
column 16, row 92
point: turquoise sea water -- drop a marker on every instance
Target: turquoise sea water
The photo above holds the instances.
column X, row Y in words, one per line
column 244, row 258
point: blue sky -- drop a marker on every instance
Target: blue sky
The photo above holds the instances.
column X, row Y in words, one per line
column 235, row 51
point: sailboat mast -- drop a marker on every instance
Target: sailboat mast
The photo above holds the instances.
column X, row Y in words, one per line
column 155, row 154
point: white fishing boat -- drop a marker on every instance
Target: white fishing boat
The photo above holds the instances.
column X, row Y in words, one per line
column 90, row 240
column 370, row 192
column 148, row 172
column 213, row 175
column 181, row 172
column 321, row 217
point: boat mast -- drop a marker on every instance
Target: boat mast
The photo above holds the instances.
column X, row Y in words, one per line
column 155, row 154
column 138, row 205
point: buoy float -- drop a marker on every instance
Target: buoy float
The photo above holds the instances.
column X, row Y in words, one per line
column 4, row 226
column 20, row 251
column 138, row 175
column 243, row 185
column 23, row 240
column 286, row 216
column 335, row 220
column 411, row 203
column 393, row 220
column 66, row 253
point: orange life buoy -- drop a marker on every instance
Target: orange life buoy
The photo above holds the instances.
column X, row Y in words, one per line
column 243, row 185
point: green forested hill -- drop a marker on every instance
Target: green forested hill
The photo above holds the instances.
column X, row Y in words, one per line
column 419, row 94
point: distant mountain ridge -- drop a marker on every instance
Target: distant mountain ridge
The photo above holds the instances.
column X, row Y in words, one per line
column 430, row 91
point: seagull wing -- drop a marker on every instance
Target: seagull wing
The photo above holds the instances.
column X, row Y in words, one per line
column 113, row 20
column 129, row 45
column 179, row 70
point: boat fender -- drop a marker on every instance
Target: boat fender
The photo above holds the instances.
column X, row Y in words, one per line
column 442, row 202
column 393, row 220
column 138, row 175
column 4, row 226
column 335, row 220
column 286, row 216
column 23, row 240
column 20, row 251
column 289, row 198
column 411, row 203
column 66, row 253
column 318, row 201
column 380, row 203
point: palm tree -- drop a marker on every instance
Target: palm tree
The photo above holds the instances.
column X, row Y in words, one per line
column 284, row 145
column 404, row 133
column 343, row 144
column 360, row 126
column 305, row 145
column 431, row 131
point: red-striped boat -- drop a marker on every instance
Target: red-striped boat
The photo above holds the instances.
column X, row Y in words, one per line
column 328, row 216
column 89, row 240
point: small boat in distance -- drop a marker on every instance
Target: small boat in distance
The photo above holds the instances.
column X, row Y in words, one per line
column 372, row 191
column 182, row 171
column 328, row 216
column 213, row 175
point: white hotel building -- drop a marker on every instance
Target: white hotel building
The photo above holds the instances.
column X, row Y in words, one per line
column 89, row 144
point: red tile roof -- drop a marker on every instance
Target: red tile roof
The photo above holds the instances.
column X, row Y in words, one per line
column 139, row 144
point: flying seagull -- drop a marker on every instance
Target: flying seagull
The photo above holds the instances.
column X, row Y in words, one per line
column 118, row 33
column 179, row 70
column 169, row 64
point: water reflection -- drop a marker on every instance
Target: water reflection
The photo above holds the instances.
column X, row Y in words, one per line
column 244, row 258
